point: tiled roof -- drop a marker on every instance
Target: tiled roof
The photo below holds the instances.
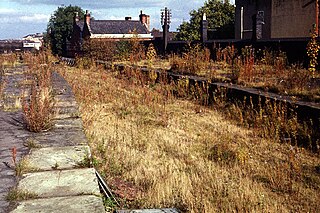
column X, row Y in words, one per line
column 117, row 27
column 80, row 24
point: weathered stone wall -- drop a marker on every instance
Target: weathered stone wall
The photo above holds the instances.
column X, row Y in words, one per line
column 292, row 18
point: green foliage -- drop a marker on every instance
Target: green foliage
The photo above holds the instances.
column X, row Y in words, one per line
column 60, row 27
column 109, row 204
column 220, row 15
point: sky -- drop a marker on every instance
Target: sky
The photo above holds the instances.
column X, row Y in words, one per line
column 22, row 17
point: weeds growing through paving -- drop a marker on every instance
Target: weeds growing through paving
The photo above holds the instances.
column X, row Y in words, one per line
column 156, row 150
column 22, row 167
column 39, row 107
column 6, row 60
column 18, row 195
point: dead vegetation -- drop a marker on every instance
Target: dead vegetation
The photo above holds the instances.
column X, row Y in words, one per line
column 6, row 60
column 159, row 151
column 38, row 108
column 265, row 69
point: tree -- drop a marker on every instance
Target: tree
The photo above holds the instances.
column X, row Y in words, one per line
column 60, row 27
column 220, row 15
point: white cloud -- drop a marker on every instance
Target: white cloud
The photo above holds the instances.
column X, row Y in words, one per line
column 96, row 4
column 6, row 10
column 38, row 18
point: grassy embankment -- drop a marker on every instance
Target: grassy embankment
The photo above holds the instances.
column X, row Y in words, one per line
column 159, row 151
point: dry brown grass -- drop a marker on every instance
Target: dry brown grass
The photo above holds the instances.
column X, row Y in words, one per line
column 158, row 151
column 263, row 69
column 38, row 108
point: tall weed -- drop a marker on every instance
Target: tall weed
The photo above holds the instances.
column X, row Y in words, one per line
column 38, row 109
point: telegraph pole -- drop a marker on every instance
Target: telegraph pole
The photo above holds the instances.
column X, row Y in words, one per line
column 317, row 16
column 165, row 22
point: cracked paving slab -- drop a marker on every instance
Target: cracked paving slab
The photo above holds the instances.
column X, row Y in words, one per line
column 60, row 183
column 84, row 204
column 43, row 159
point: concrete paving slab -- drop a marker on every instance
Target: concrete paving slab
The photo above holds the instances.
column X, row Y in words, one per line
column 57, row 157
column 67, row 102
column 9, row 129
column 82, row 204
column 68, row 123
column 61, row 137
column 61, row 183
column 66, row 112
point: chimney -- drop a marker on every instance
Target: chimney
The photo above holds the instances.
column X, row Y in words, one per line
column 76, row 17
column 145, row 19
column 127, row 18
column 87, row 17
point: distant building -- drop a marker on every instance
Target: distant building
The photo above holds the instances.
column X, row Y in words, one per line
column 9, row 46
column 273, row 19
column 158, row 35
column 33, row 41
column 109, row 30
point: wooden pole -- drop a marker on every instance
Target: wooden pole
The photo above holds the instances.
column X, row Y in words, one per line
column 317, row 16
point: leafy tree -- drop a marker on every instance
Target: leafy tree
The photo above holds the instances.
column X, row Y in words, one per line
column 60, row 27
column 220, row 15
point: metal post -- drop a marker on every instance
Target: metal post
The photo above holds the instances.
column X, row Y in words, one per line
column 241, row 23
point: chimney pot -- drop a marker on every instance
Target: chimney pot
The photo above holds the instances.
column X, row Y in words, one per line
column 145, row 19
column 87, row 17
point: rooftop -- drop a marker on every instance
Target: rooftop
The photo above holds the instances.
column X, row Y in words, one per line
column 117, row 27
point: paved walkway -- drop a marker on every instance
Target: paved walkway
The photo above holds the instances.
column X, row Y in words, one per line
column 12, row 133
column 57, row 174
column 57, row 177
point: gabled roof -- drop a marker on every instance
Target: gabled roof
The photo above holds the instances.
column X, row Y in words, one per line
column 36, row 35
column 117, row 27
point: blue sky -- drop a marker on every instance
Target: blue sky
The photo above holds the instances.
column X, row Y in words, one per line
column 21, row 17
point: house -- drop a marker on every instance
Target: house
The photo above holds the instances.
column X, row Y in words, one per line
column 275, row 19
column 32, row 41
column 108, row 30
column 158, row 35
